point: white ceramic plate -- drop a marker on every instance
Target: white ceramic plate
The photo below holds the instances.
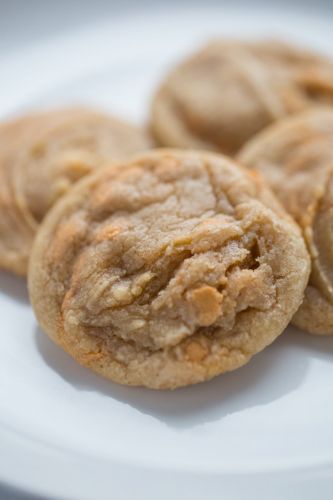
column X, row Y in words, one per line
column 263, row 432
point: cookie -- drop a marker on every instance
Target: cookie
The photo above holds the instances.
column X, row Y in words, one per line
column 230, row 90
column 167, row 269
column 15, row 236
column 43, row 156
column 296, row 158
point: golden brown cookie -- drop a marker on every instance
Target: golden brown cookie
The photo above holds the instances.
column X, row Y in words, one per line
column 167, row 269
column 296, row 158
column 15, row 236
column 230, row 90
column 41, row 156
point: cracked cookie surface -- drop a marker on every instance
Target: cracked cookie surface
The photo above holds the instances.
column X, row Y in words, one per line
column 41, row 157
column 167, row 269
column 296, row 158
column 230, row 90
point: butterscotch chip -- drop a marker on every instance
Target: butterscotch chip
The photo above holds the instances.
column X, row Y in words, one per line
column 207, row 302
column 296, row 158
column 41, row 157
column 203, row 270
column 230, row 90
column 196, row 352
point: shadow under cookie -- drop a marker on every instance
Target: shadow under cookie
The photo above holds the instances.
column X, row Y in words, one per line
column 14, row 286
column 272, row 374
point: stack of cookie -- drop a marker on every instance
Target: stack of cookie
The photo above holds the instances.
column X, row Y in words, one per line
column 41, row 157
column 172, row 266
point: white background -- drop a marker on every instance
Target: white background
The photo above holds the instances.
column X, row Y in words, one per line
column 274, row 414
